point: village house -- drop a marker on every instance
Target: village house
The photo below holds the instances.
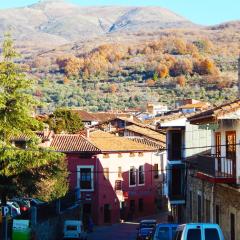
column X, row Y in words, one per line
column 214, row 176
column 183, row 141
column 118, row 178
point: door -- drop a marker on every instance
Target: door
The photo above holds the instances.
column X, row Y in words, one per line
column 231, row 152
column 107, row 213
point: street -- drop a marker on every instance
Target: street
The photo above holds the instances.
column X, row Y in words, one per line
column 126, row 231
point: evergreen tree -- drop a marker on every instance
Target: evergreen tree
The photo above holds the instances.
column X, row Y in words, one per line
column 65, row 120
column 24, row 171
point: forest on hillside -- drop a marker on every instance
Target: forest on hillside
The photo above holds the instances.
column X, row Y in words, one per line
column 124, row 75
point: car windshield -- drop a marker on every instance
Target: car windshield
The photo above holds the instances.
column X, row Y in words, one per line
column 71, row 228
column 145, row 231
column 147, row 225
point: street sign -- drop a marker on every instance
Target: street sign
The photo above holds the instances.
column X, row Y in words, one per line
column 5, row 211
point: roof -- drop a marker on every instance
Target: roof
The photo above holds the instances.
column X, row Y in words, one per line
column 148, row 133
column 85, row 116
column 108, row 142
column 148, row 142
column 72, row 143
column 42, row 135
column 213, row 114
column 201, row 105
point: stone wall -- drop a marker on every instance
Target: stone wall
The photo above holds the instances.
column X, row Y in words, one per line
column 52, row 229
column 212, row 195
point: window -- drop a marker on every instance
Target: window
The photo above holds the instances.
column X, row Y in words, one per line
column 118, row 185
column 207, row 209
column 119, row 172
column 132, row 154
column 106, row 155
column 199, row 209
column 217, row 214
column 106, row 173
column 162, row 163
column 132, row 205
column 140, row 205
column 232, row 226
column 155, row 170
column 211, row 234
column 163, row 233
column 141, row 179
column 231, row 145
column 132, row 176
column 194, row 234
column 85, row 178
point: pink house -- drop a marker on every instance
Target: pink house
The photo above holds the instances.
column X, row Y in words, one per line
column 117, row 177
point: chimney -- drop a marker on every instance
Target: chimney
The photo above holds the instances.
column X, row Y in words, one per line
column 239, row 76
column 87, row 132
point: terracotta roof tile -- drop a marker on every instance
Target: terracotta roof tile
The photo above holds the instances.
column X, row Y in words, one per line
column 72, row 143
column 216, row 112
column 148, row 133
column 107, row 142
column 85, row 116
column 148, row 142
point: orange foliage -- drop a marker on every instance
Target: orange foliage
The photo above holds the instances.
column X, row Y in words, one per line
column 150, row 82
column 113, row 88
column 205, row 66
column 162, row 70
column 181, row 80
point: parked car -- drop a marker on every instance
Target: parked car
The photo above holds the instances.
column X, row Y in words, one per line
column 165, row 231
column 150, row 223
column 24, row 204
column 73, row 229
column 14, row 208
column 199, row 231
column 34, row 201
column 144, row 233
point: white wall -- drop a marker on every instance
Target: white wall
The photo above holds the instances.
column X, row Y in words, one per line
column 197, row 140
column 224, row 126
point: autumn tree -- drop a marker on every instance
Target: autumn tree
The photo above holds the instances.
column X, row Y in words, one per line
column 181, row 81
column 162, row 71
column 23, row 172
column 181, row 67
column 205, row 66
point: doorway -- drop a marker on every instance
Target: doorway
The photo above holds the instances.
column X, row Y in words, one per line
column 107, row 213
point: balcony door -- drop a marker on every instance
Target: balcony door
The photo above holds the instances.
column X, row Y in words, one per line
column 231, row 150
column 218, row 150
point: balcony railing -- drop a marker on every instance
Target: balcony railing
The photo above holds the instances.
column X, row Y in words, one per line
column 213, row 168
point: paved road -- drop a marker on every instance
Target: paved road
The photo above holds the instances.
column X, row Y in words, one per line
column 124, row 231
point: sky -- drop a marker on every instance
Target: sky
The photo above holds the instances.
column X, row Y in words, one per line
column 205, row 12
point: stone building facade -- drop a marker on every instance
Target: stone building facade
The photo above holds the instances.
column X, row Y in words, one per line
column 215, row 203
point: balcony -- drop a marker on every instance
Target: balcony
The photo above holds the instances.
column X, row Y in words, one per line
column 213, row 169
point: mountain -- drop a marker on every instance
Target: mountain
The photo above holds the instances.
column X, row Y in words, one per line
column 52, row 23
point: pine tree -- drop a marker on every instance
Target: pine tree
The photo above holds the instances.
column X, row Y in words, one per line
column 23, row 171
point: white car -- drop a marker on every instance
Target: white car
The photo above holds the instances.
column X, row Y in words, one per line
column 73, row 229
column 199, row 231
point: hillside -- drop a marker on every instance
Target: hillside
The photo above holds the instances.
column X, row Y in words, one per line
column 53, row 23
column 110, row 57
